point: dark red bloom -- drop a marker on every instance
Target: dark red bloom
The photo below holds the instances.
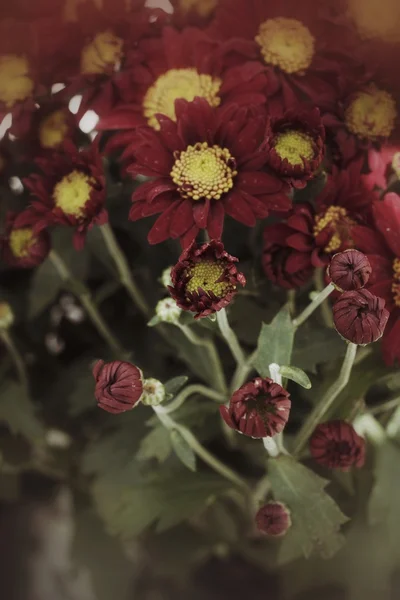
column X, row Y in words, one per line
column 205, row 279
column 336, row 445
column 70, row 190
column 207, row 164
column 296, row 145
column 183, row 64
column 119, row 385
column 22, row 245
column 349, row 270
column 273, row 519
column 382, row 246
column 383, row 166
column 299, row 48
column 310, row 235
column 360, row 317
column 259, row 408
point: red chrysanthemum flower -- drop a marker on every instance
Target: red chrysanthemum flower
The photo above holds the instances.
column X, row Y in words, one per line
column 259, row 408
column 119, row 386
column 103, row 48
column 70, row 190
column 296, row 145
column 290, row 37
column 207, row 164
column 205, row 279
column 336, row 445
column 23, row 245
column 382, row 247
column 273, row 519
column 349, row 270
column 383, row 166
column 184, row 65
column 310, row 235
column 193, row 12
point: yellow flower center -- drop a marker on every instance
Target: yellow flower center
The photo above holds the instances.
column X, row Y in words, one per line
column 15, row 83
column 104, row 53
column 204, row 172
column 53, row 129
column 295, row 146
column 396, row 281
column 336, row 222
column 72, row 192
column 21, row 241
column 286, row 43
column 174, row 84
column 206, row 275
column 203, row 8
column 372, row 114
column 396, row 164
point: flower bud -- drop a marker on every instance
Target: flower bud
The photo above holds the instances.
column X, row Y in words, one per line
column 273, row 519
column 336, row 445
column 153, row 392
column 6, row 315
column 24, row 244
column 349, row 270
column 360, row 317
column 119, row 385
column 168, row 311
column 166, row 277
column 259, row 408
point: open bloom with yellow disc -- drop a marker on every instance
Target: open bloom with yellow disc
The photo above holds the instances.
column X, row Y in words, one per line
column 205, row 279
column 311, row 235
column 70, row 190
column 300, row 50
column 184, row 65
column 24, row 244
column 103, row 46
column 296, row 145
column 208, row 163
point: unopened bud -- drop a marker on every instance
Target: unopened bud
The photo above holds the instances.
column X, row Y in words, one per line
column 153, row 392
column 349, row 270
column 166, row 277
column 273, row 519
column 6, row 315
column 168, row 311
column 360, row 317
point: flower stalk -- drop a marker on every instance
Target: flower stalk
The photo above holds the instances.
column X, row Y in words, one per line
column 15, row 356
column 318, row 300
column 86, row 300
column 124, row 270
column 190, row 390
column 230, row 337
column 326, row 402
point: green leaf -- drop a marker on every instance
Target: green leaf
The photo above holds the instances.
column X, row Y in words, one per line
column 19, row 413
column 315, row 345
column 296, row 375
column 182, row 450
column 173, row 386
column 316, row 518
column 275, row 342
column 154, row 321
column 156, row 444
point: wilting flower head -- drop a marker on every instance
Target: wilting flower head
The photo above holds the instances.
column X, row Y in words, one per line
column 119, row 385
column 70, row 191
column 349, row 270
column 273, row 519
column 360, row 317
column 206, row 164
column 259, row 408
column 336, row 445
column 296, row 145
column 23, row 245
column 205, row 279
column 153, row 392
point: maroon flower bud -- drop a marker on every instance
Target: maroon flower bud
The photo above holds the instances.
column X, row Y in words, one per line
column 205, row 279
column 336, row 445
column 360, row 317
column 24, row 244
column 119, row 385
column 273, row 519
column 349, row 270
column 259, row 408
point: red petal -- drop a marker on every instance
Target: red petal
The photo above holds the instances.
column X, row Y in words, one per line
column 215, row 224
column 237, row 207
column 161, row 228
column 369, row 241
column 387, row 218
column 183, row 219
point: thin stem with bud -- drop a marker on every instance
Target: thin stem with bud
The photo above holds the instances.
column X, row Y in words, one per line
column 318, row 300
column 190, row 390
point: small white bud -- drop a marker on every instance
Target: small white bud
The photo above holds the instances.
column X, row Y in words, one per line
column 6, row 315
column 168, row 311
column 166, row 277
column 153, row 392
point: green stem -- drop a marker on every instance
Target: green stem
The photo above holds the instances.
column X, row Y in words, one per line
column 190, row 391
column 242, row 372
column 230, row 337
column 386, row 406
column 326, row 402
column 16, row 357
column 218, row 372
column 85, row 298
column 326, row 310
column 124, row 270
column 211, row 460
column 313, row 305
